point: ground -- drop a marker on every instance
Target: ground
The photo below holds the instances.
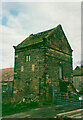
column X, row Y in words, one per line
column 50, row 111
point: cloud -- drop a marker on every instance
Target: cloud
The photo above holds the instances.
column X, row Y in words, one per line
column 9, row 38
column 28, row 18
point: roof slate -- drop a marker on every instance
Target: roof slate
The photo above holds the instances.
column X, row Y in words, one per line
column 37, row 38
column 34, row 38
column 7, row 74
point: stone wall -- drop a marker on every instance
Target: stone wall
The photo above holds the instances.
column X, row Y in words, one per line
column 40, row 74
column 77, row 82
column 27, row 79
column 55, row 59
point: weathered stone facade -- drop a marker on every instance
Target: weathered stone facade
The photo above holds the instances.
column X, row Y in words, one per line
column 78, row 78
column 42, row 62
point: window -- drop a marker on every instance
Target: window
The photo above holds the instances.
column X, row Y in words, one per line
column 27, row 85
column 60, row 72
column 4, row 88
column 33, row 67
column 27, row 58
column 22, row 68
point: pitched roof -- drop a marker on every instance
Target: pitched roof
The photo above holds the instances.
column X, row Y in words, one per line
column 6, row 74
column 77, row 71
column 34, row 38
column 77, row 68
column 37, row 38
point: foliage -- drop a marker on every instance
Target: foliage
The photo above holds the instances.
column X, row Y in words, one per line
column 46, row 102
column 11, row 108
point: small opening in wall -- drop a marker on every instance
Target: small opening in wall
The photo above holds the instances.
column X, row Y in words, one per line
column 22, row 68
column 33, row 67
column 60, row 72
column 27, row 58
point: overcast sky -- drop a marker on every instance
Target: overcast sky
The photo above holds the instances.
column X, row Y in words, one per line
column 20, row 19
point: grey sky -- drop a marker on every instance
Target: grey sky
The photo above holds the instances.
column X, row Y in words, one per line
column 22, row 19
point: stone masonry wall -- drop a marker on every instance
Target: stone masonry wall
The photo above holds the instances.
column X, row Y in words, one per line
column 40, row 75
column 55, row 59
column 28, row 79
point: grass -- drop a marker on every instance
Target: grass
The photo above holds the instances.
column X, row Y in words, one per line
column 22, row 107
column 17, row 107
column 12, row 108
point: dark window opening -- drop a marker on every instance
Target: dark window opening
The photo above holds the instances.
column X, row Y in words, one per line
column 4, row 88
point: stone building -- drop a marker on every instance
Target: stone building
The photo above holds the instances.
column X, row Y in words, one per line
column 78, row 78
column 6, row 79
column 43, row 64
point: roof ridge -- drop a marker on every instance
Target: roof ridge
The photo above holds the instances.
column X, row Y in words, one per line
column 47, row 30
column 36, row 35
